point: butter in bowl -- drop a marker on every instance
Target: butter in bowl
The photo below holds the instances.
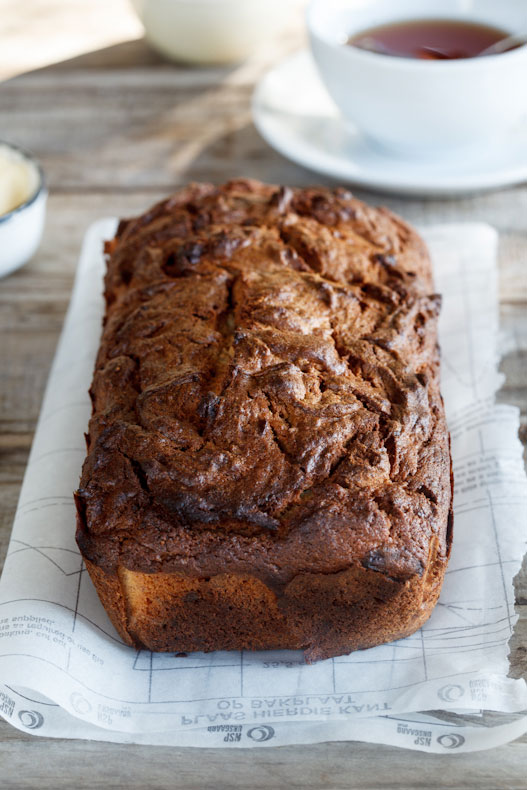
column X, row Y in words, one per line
column 23, row 197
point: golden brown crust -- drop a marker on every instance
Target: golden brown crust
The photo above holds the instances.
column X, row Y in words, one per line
column 268, row 435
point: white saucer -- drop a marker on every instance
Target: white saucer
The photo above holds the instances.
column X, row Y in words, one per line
column 294, row 114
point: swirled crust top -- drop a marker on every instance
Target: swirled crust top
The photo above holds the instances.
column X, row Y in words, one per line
column 266, row 395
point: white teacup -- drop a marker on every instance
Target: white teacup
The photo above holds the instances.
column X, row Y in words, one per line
column 208, row 31
column 421, row 106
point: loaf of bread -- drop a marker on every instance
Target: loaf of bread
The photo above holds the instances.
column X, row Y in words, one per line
column 268, row 461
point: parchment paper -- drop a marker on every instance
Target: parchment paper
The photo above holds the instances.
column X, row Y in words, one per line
column 65, row 673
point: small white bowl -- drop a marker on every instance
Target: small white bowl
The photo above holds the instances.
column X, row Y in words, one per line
column 208, row 31
column 21, row 228
column 414, row 106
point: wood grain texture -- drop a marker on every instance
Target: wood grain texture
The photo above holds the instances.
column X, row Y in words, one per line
column 117, row 129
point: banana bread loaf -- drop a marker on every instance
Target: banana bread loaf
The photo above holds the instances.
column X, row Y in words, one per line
column 268, row 461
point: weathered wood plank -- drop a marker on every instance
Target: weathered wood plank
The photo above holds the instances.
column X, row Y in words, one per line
column 155, row 129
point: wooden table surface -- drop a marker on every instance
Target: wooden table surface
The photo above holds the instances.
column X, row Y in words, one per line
column 117, row 129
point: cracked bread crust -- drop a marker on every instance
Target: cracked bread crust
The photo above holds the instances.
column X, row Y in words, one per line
column 268, row 461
